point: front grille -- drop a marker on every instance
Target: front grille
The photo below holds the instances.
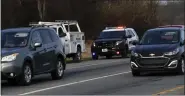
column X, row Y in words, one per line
column 148, row 54
column 105, row 44
column 155, row 62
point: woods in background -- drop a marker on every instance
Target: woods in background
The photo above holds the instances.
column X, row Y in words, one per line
column 93, row 15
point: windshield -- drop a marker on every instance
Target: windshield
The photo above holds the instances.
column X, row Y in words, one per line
column 162, row 37
column 112, row 34
column 14, row 39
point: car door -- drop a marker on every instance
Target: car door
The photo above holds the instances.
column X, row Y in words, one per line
column 48, row 44
column 38, row 53
column 65, row 40
column 55, row 43
column 133, row 38
column 129, row 40
column 135, row 35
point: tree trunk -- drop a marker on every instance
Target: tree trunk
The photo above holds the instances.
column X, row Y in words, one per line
column 41, row 5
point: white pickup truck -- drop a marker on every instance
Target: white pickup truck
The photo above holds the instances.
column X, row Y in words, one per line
column 70, row 34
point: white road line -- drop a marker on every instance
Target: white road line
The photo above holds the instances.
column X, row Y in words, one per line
column 68, row 84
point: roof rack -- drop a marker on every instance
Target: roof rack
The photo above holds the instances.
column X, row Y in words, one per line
column 57, row 22
column 41, row 24
column 179, row 26
column 66, row 21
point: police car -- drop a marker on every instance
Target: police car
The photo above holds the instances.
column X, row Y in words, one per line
column 114, row 41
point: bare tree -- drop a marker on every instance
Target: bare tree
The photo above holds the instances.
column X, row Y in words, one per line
column 41, row 5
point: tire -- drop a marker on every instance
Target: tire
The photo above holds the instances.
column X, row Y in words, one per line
column 135, row 73
column 95, row 57
column 58, row 72
column 78, row 56
column 108, row 57
column 181, row 67
column 26, row 76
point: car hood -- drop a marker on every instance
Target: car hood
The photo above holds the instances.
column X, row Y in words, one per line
column 155, row 48
column 105, row 40
column 9, row 51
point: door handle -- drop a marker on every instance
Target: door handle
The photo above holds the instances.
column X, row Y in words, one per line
column 65, row 40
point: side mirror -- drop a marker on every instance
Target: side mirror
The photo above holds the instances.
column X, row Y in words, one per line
column 62, row 35
column 135, row 42
column 37, row 45
column 129, row 36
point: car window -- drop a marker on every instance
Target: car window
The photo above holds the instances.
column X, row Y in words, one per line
column 54, row 36
column 14, row 39
column 127, row 33
column 182, row 35
column 131, row 32
column 60, row 31
column 161, row 37
column 36, row 37
column 45, row 36
column 112, row 34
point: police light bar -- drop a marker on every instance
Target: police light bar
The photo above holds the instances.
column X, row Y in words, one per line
column 119, row 27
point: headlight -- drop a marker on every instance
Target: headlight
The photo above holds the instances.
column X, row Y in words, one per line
column 118, row 42
column 134, row 54
column 174, row 52
column 94, row 44
column 9, row 57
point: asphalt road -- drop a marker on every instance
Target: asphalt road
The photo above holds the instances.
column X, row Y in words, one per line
column 101, row 77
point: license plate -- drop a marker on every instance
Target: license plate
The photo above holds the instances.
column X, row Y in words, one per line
column 104, row 50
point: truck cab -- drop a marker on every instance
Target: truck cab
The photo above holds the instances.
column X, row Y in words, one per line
column 70, row 34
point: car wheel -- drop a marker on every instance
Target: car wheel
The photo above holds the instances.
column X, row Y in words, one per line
column 135, row 73
column 26, row 77
column 181, row 67
column 59, row 70
column 78, row 56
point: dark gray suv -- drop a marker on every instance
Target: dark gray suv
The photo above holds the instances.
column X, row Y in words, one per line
column 30, row 51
